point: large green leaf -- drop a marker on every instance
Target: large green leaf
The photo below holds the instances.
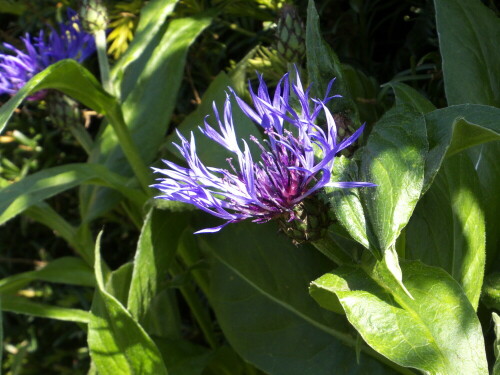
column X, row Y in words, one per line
column 259, row 293
column 21, row 305
column 394, row 159
column 485, row 160
column 155, row 251
column 323, row 65
column 210, row 152
column 453, row 129
column 468, row 34
column 66, row 270
column 117, row 343
column 468, row 39
column 436, row 332
column 146, row 37
column 35, row 188
column 147, row 107
column 448, row 227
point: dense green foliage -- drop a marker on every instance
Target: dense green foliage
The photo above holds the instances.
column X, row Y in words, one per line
column 97, row 277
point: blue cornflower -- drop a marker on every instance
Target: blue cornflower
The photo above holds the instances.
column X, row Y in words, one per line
column 296, row 159
column 18, row 67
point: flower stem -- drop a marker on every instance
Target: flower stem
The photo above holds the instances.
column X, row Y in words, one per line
column 198, row 310
column 331, row 250
column 82, row 136
column 100, row 42
column 129, row 148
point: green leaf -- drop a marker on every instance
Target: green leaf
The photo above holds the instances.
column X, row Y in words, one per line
column 394, row 159
column 406, row 95
column 148, row 108
column 364, row 91
column 485, row 160
column 346, row 203
column 259, row 294
column 155, row 251
column 453, row 129
column 66, row 270
column 210, row 152
column 35, row 188
column 118, row 282
column 448, row 227
column 22, row 305
column 117, row 343
column 491, row 291
column 437, row 332
column 496, row 347
column 146, row 37
column 69, row 77
column 323, row 65
column 151, row 88
column 182, row 357
column 468, row 33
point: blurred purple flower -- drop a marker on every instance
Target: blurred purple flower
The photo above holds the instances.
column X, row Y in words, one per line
column 289, row 168
column 18, row 67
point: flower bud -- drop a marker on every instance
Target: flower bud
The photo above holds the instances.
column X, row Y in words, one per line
column 290, row 41
column 94, row 15
column 311, row 221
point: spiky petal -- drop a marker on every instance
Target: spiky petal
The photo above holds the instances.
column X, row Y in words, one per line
column 287, row 171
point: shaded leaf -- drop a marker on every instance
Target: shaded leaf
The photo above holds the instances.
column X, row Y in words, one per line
column 155, row 251
column 118, row 282
column 117, row 343
column 453, row 129
column 485, row 161
column 259, row 294
column 448, row 227
column 323, row 65
column 65, row 270
column 35, row 188
column 183, row 357
column 406, row 95
column 394, row 159
column 468, row 33
column 22, row 305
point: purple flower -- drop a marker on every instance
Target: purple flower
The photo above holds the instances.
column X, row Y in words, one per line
column 18, row 67
column 296, row 159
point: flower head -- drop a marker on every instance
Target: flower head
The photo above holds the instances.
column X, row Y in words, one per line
column 18, row 67
column 296, row 158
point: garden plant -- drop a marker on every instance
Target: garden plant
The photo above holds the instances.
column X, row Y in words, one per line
column 245, row 187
